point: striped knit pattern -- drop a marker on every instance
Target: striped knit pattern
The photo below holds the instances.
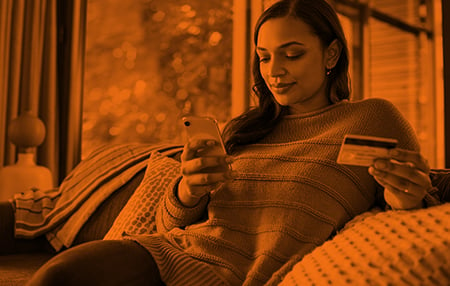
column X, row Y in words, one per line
column 174, row 264
column 382, row 248
column 61, row 212
column 288, row 197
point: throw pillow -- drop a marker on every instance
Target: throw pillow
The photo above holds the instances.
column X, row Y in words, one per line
column 138, row 215
column 382, row 248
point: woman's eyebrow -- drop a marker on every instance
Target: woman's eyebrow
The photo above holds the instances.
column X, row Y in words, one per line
column 285, row 45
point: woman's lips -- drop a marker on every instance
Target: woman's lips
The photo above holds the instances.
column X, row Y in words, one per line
column 282, row 87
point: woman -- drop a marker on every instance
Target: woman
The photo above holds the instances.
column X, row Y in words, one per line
column 286, row 194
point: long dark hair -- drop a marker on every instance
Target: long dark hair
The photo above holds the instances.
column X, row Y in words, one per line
column 259, row 121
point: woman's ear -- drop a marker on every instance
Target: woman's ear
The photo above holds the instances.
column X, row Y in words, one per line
column 332, row 54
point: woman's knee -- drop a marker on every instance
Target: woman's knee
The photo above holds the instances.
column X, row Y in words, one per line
column 100, row 263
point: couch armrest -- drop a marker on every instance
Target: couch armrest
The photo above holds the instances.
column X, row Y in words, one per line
column 9, row 244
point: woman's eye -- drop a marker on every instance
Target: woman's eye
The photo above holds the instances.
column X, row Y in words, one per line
column 263, row 59
column 294, row 56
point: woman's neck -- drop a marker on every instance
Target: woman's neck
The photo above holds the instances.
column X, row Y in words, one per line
column 313, row 104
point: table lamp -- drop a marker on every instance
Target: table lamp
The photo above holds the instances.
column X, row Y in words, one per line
column 26, row 132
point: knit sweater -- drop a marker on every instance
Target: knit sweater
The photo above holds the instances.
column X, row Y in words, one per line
column 288, row 197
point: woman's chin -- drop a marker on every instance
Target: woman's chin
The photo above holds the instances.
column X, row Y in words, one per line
column 282, row 100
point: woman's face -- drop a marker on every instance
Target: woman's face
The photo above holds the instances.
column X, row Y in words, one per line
column 293, row 64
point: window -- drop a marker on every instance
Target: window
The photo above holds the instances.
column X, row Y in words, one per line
column 397, row 55
column 147, row 66
column 402, row 67
column 160, row 59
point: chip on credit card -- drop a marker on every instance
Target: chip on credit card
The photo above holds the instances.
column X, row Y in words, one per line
column 361, row 150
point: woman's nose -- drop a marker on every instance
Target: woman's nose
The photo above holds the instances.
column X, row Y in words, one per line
column 276, row 68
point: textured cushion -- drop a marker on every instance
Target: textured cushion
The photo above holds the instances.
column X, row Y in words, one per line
column 382, row 248
column 138, row 215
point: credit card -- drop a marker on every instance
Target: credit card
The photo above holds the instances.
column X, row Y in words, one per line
column 361, row 150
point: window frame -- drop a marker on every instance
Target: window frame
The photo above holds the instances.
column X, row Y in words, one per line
column 445, row 10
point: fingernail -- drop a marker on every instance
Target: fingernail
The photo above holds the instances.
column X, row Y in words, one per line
column 380, row 165
column 372, row 171
column 211, row 143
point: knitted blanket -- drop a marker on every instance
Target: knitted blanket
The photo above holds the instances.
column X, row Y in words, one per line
column 382, row 248
column 60, row 213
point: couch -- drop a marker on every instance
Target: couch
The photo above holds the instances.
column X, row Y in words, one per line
column 376, row 248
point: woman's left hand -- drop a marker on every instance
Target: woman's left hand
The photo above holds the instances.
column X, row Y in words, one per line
column 404, row 176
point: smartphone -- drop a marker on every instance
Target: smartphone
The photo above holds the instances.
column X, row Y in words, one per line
column 205, row 128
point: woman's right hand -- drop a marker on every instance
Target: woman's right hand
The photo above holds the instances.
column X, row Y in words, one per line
column 201, row 174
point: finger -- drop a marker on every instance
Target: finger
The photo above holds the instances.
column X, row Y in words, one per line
column 399, row 200
column 206, row 179
column 413, row 157
column 402, row 199
column 200, row 191
column 401, row 172
column 395, row 190
column 397, row 184
column 193, row 146
column 197, row 165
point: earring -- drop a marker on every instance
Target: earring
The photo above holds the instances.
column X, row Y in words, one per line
column 328, row 72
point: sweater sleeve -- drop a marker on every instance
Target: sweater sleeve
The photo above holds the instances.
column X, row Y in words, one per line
column 172, row 214
column 407, row 138
column 395, row 125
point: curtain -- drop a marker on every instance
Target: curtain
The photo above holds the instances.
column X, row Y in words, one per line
column 41, row 70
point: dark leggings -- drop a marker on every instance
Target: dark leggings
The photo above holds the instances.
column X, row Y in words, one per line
column 102, row 262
